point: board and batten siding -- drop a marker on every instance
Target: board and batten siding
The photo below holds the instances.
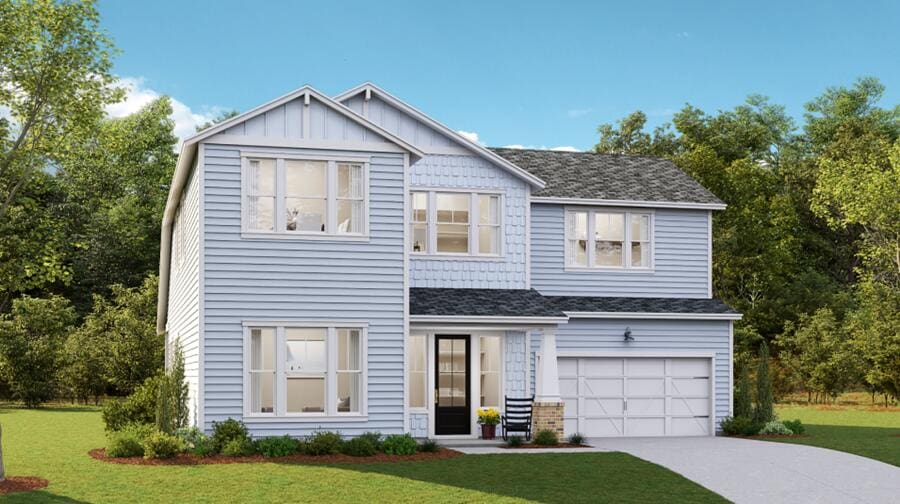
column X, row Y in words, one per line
column 399, row 122
column 681, row 249
column 183, row 323
column 670, row 338
column 474, row 173
column 297, row 279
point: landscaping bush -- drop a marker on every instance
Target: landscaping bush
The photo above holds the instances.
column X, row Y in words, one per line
column 514, row 441
column 238, row 447
column 740, row 426
column 127, row 442
column 775, row 428
column 227, row 431
column 160, row 445
column 323, row 443
column 399, row 444
column 138, row 408
column 765, row 409
column 546, row 438
column 576, row 439
column 796, row 426
column 375, row 437
column 280, row 446
column 429, row 446
column 359, row 447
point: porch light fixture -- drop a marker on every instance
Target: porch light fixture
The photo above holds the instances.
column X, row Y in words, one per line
column 628, row 336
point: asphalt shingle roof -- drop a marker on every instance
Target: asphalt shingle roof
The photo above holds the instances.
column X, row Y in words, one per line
column 588, row 175
column 639, row 305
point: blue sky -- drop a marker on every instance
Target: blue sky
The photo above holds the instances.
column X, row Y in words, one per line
column 516, row 73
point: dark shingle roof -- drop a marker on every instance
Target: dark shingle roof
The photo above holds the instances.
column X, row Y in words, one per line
column 588, row 175
column 640, row 305
column 481, row 303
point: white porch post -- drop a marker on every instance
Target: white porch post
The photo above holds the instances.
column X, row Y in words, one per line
column 548, row 369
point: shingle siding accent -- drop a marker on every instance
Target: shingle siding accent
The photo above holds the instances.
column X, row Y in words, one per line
column 516, row 366
column 588, row 175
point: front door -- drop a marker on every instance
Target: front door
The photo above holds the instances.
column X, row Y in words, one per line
column 451, row 408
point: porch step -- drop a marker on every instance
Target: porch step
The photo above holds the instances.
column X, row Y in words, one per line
column 470, row 443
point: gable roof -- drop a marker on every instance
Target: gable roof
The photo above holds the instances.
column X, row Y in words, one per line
column 453, row 302
column 611, row 179
column 189, row 151
column 476, row 148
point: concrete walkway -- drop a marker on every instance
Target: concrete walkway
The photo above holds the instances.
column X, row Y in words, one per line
column 743, row 470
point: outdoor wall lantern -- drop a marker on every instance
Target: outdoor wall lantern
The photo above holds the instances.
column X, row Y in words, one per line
column 628, row 336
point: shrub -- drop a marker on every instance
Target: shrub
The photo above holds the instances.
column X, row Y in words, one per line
column 227, row 431
column 796, row 426
column 374, row 437
column 743, row 404
column 280, row 446
column 399, row 444
column 323, row 443
column 429, row 446
column 127, row 442
column 775, row 428
column 160, row 445
column 546, row 438
column 238, row 447
column 138, row 408
column 740, row 426
column 765, row 411
column 195, row 442
column 515, row 441
column 576, row 439
column 359, row 447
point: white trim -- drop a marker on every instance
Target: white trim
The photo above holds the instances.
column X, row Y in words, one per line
column 304, row 323
column 731, row 369
column 709, row 253
column 616, row 354
column 297, row 143
column 655, row 315
column 528, row 237
column 299, row 235
column 488, row 319
column 342, row 158
column 304, row 418
column 201, row 295
column 630, row 203
column 626, row 266
column 474, row 224
column 420, row 116
column 406, row 241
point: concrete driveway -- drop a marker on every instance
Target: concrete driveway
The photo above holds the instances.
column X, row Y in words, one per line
column 744, row 470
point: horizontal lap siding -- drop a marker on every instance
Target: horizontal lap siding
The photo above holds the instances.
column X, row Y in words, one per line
column 681, row 244
column 657, row 336
column 183, row 319
column 303, row 279
column 470, row 172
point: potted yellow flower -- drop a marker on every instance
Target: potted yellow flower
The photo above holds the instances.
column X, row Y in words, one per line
column 488, row 418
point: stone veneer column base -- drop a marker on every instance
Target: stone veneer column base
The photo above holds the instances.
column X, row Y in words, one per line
column 548, row 416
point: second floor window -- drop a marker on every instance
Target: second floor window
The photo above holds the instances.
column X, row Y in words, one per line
column 605, row 239
column 455, row 223
column 304, row 196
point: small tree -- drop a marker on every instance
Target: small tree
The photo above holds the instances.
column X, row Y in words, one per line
column 743, row 403
column 172, row 402
column 764, row 411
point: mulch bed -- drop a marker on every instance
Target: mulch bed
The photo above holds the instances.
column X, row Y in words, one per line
column 560, row 445
column 15, row 484
column 188, row 459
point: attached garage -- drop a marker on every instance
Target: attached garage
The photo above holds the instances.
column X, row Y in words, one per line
column 637, row 396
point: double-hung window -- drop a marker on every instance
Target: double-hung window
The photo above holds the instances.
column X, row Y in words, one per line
column 294, row 196
column 297, row 370
column 609, row 239
column 456, row 223
column 417, row 372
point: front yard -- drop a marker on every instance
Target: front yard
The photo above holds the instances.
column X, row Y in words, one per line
column 53, row 443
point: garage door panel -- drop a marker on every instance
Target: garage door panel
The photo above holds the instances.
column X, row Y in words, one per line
column 570, row 425
column 689, row 367
column 646, row 367
column 646, row 387
column 604, row 387
column 602, row 367
column 645, row 426
column 568, row 368
column 568, row 386
column 689, row 386
column 653, row 406
column 603, row 427
column 689, row 426
column 571, row 406
column 688, row 406
column 603, row 407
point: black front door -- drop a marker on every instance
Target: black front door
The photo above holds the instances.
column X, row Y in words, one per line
column 451, row 409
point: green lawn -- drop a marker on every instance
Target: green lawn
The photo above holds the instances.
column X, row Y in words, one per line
column 870, row 432
column 53, row 444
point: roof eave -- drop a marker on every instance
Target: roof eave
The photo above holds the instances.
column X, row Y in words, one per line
column 685, row 205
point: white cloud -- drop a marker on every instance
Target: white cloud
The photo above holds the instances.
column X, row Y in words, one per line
column 683, row 35
column 138, row 95
column 561, row 148
column 471, row 136
column 575, row 113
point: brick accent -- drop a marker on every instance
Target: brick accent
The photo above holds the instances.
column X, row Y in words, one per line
column 548, row 416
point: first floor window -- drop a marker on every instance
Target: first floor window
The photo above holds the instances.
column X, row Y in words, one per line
column 456, row 223
column 608, row 239
column 491, row 379
column 417, row 370
column 305, row 370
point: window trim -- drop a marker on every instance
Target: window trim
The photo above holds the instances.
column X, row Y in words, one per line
column 474, row 224
column 280, row 410
column 331, row 197
column 626, row 247
column 425, row 374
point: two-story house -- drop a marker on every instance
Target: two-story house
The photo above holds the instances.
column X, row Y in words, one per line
column 349, row 263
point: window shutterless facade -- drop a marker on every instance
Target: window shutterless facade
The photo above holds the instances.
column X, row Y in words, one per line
column 605, row 239
column 304, row 370
column 307, row 197
column 456, row 223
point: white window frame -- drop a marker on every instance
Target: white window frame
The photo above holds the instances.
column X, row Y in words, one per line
column 280, row 410
column 591, row 240
column 425, row 375
column 474, row 224
column 331, row 198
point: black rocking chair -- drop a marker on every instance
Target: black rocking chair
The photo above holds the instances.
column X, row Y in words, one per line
column 517, row 416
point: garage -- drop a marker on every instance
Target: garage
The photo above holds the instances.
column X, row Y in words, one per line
column 636, row 396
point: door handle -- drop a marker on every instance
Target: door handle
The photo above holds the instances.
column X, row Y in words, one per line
column 435, row 396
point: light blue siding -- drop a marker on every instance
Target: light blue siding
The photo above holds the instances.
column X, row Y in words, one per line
column 399, row 123
column 418, row 425
column 471, row 172
column 659, row 336
column 295, row 279
column 681, row 244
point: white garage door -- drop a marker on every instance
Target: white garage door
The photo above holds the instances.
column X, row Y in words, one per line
column 636, row 396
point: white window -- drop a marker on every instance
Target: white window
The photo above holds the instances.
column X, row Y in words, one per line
column 305, row 371
column 608, row 239
column 304, row 197
column 417, row 370
column 491, row 377
column 456, row 223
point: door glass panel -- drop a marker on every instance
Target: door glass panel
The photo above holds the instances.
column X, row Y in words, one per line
column 452, row 372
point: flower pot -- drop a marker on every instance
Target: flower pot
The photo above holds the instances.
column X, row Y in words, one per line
column 488, row 431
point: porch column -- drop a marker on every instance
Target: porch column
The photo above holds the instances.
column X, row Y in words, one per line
column 548, row 406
